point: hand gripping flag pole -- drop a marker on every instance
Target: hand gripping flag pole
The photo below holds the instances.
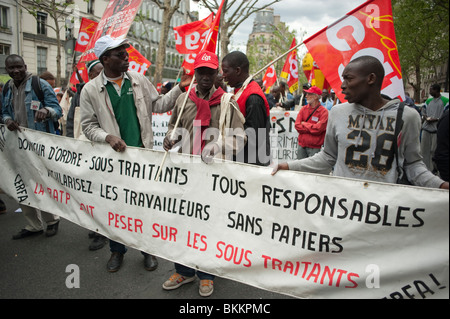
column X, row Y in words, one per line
column 175, row 127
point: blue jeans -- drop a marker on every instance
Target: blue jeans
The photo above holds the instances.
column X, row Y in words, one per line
column 116, row 247
column 189, row 272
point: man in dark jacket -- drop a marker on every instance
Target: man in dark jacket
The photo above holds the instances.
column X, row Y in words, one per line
column 253, row 105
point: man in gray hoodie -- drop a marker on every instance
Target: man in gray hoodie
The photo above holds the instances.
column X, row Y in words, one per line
column 360, row 139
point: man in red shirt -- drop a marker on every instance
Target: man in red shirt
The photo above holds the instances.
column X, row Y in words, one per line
column 311, row 124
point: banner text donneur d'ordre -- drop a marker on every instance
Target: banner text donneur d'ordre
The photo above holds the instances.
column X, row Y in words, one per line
column 303, row 235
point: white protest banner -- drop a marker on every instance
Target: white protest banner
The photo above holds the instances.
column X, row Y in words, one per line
column 160, row 124
column 303, row 235
column 284, row 136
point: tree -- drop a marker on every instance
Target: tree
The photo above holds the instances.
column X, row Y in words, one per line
column 422, row 33
column 58, row 11
column 168, row 12
column 235, row 12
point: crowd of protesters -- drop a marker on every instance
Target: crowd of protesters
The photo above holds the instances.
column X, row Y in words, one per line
column 105, row 110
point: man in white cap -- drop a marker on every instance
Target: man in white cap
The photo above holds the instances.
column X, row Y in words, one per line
column 111, row 113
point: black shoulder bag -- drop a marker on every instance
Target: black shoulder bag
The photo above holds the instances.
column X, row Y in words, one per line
column 402, row 178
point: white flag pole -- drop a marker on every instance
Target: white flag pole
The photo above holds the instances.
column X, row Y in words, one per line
column 176, row 126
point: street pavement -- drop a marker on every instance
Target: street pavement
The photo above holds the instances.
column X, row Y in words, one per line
column 36, row 268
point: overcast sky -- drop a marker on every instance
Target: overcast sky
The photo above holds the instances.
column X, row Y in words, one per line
column 308, row 15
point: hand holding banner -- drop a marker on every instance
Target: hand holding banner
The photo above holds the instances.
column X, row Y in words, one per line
column 285, row 233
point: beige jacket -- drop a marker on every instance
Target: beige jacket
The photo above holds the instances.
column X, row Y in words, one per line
column 97, row 115
column 225, row 130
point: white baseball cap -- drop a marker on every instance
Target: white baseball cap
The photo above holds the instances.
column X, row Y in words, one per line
column 107, row 43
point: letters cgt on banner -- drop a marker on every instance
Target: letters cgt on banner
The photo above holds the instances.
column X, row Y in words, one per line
column 367, row 30
column 303, row 235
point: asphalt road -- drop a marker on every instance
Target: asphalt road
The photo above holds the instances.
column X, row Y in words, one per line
column 36, row 268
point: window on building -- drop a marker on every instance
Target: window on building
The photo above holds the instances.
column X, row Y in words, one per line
column 42, row 23
column 4, row 23
column 41, row 60
column 5, row 49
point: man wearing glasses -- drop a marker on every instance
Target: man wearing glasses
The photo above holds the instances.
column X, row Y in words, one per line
column 116, row 108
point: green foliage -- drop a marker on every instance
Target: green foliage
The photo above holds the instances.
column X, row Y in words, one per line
column 422, row 31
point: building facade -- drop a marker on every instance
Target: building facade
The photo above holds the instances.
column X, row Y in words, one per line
column 35, row 39
column 263, row 28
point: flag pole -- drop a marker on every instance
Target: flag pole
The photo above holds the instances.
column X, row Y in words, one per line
column 277, row 59
column 172, row 136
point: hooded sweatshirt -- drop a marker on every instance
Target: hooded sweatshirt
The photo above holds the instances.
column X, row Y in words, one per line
column 359, row 144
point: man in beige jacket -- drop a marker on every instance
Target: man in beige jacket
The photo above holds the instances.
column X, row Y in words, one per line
column 116, row 107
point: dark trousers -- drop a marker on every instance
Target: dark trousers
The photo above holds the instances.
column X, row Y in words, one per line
column 116, row 247
column 189, row 272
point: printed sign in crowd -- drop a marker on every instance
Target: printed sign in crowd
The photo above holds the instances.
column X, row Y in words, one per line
column 283, row 136
column 303, row 235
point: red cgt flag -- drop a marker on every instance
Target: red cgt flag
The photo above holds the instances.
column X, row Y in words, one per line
column 270, row 78
column 87, row 29
column 189, row 39
column 208, row 37
column 290, row 69
column 367, row 30
column 138, row 63
column 211, row 43
column 82, row 71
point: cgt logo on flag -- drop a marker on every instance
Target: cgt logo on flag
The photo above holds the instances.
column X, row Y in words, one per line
column 290, row 69
column 367, row 30
column 270, row 78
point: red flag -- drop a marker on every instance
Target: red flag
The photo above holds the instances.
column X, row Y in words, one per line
column 138, row 63
column 290, row 69
column 189, row 39
column 82, row 70
column 208, row 37
column 367, row 30
column 270, row 78
column 116, row 22
column 211, row 44
column 87, row 29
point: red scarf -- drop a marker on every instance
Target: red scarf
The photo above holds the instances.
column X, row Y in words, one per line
column 252, row 88
column 204, row 116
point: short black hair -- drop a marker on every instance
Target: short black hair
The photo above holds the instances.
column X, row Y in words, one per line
column 238, row 59
column 371, row 65
column 14, row 56
column 436, row 87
